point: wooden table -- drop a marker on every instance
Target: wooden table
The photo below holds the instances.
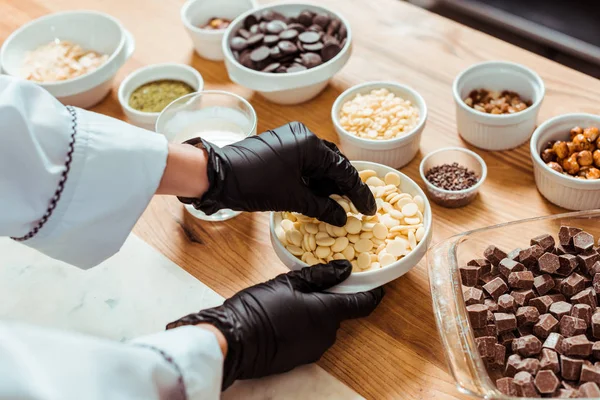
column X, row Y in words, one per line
column 395, row 353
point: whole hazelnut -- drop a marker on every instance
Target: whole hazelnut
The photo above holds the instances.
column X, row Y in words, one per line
column 596, row 157
column 548, row 155
column 584, row 158
column 570, row 165
column 555, row 166
column 581, row 143
column 561, row 149
column 576, row 131
column 571, row 147
column 591, row 133
column 593, row 173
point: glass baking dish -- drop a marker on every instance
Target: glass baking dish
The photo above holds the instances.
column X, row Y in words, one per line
column 465, row 364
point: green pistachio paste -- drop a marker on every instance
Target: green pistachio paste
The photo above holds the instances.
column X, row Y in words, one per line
column 155, row 96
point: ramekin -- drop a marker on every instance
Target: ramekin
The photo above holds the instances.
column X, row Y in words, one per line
column 362, row 281
column 395, row 152
column 563, row 190
column 497, row 131
column 91, row 30
column 448, row 155
column 194, row 13
column 286, row 88
column 155, row 72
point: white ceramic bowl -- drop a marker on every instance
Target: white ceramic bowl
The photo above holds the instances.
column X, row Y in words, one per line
column 288, row 88
column 195, row 13
column 448, row 155
column 91, row 30
column 396, row 152
column 178, row 72
column 361, row 281
column 502, row 131
column 560, row 189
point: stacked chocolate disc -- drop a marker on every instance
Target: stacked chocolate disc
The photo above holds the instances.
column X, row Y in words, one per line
column 272, row 42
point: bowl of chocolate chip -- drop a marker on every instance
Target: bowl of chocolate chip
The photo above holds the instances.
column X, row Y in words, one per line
column 497, row 104
column 287, row 52
column 517, row 309
column 566, row 160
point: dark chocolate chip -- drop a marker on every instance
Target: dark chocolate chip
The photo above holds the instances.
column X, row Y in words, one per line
column 322, row 20
column 309, row 37
column 313, row 47
column 311, row 60
column 276, row 27
column 287, row 47
column 296, row 68
column 271, row 68
column 250, row 21
column 330, row 50
column 305, row 18
column 237, row 43
column 244, row 33
column 260, row 54
column 255, row 40
column 271, row 40
column 289, row 34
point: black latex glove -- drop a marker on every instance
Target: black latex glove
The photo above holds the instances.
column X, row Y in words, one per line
column 285, row 169
column 286, row 322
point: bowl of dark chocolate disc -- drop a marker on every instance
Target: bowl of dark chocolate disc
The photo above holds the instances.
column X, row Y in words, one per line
column 287, row 52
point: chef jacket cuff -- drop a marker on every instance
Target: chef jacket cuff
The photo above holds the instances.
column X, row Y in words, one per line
column 115, row 170
column 196, row 354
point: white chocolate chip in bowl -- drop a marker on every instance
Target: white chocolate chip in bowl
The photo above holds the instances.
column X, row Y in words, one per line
column 379, row 265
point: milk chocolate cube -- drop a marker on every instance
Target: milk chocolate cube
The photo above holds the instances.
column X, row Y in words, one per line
column 477, row 315
column 506, row 304
column 514, row 254
column 527, row 315
column 524, row 384
column 546, row 382
column 549, row 263
column 570, row 368
column 512, row 365
column 560, row 309
column 527, row 346
column 587, row 259
column 543, row 284
column 549, row 361
column 572, row 285
column 587, row 296
column 485, row 345
column 595, row 269
column 577, row 346
column 506, row 386
column 521, row 280
column 491, row 305
column 495, row 288
column 494, row 255
column 525, row 330
column 590, row 373
column 554, row 342
column 556, row 297
column 529, row 256
column 565, row 235
column 545, row 325
column 497, row 360
column 522, row 297
column 486, row 279
column 545, row 241
column 596, row 350
column 564, row 394
column 582, row 311
column 568, row 263
column 583, row 241
column 507, row 266
column 473, row 295
column 589, row 390
column 506, row 339
column 531, row 365
column 505, row 322
column 469, row 275
column 572, row 326
column 596, row 325
column 542, row 303
column 483, row 264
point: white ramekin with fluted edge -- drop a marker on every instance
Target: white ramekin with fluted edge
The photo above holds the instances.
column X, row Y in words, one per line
column 497, row 131
column 396, row 152
column 563, row 190
column 363, row 281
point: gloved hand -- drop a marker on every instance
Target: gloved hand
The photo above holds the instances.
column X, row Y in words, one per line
column 283, row 323
column 285, row 169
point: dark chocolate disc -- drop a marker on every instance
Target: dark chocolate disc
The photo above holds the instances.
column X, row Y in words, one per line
column 313, row 46
column 287, row 47
column 254, row 29
column 334, row 26
column 244, row 33
column 305, row 18
column 296, row 68
column 238, row 43
column 298, row 27
column 315, row 28
column 342, row 32
column 289, row 34
column 268, row 15
column 245, row 59
column 260, row 54
column 281, row 70
column 250, row 20
column 330, row 39
column 263, row 26
column 276, row 53
column 309, row 37
column 255, row 39
column 271, row 67
column 276, row 27
column 322, row 20
column 271, row 40
column 311, row 60
column 329, row 51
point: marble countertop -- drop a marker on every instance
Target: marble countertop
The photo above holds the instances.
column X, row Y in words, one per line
column 134, row 293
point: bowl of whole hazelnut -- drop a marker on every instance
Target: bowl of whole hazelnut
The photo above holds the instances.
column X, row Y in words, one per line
column 566, row 160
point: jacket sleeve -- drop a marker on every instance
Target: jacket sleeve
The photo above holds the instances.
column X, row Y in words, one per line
column 75, row 182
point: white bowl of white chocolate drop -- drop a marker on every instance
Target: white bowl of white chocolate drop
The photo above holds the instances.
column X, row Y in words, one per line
column 381, row 248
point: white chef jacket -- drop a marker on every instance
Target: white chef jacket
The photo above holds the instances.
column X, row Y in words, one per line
column 112, row 170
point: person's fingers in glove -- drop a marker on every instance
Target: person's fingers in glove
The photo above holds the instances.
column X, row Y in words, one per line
column 285, row 169
column 285, row 322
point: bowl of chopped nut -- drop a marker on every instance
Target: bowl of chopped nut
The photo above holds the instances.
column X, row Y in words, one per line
column 380, row 122
column 381, row 248
column 74, row 55
column 497, row 104
column 566, row 160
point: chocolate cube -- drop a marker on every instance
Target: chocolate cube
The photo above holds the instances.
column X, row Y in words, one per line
column 587, row 259
column 494, row 255
column 549, row 263
column 546, row 382
column 522, row 297
column 565, row 235
column 582, row 311
column 568, row 263
column 570, row 368
column 590, row 373
column 505, row 322
column 583, row 241
column 524, row 384
column 520, row 280
column 560, row 309
column 572, row 285
column 477, row 315
column 589, row 390
column 472, row 295
column 554, row 342
column 587, row 296
column 545, row 241
column 545, row 325
column 495, row 288
column 506, row 266
column 543, row 284
column 549, row 361
column 572, row 326
column 527, row 315
column 527, row 346
column 506, row 304
column 542, row 303
column 485, row 345
column 512, row 365
column 577, row 346
column 469, row 275
column 596, row 325
column 506, row 386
